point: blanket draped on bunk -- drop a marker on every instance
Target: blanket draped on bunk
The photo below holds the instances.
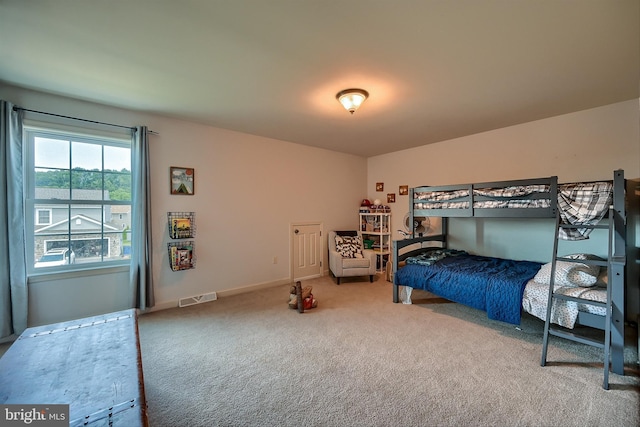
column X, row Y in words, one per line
column 583, row 204
column 494, row 285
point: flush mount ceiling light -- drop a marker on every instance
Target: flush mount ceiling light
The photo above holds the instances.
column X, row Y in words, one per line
column 351, row 99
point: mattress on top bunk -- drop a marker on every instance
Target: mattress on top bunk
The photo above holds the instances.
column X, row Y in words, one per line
column 517, row 196
column 494, row 285
column 578, row 203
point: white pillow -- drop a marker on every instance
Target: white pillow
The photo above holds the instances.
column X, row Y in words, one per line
column 570, row 274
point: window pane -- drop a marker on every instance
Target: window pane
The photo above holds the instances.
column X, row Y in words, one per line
column 50, row 239
column 86, row 156
column 117, row 158
column 51, row 183
column 81, row 228
column 58, row 219
column 95, row 240
column 90, row 247
column 118, row 229
column 52, row 153
column 58, row 254
column 86, row 185
column 118, row 185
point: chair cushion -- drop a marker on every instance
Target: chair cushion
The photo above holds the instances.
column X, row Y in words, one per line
column 349, row 246
column 355, row 263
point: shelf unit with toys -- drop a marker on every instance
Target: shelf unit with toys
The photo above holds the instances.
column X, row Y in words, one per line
column 375, row 231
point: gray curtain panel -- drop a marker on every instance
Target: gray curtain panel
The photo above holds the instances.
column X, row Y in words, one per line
column 13, row 267
column 141, row 266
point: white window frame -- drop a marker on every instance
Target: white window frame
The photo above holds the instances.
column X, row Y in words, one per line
column 37, row 218
column 33, row 130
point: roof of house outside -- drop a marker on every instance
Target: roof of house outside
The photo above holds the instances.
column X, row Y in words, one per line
column 63, row 193
column 118, row 209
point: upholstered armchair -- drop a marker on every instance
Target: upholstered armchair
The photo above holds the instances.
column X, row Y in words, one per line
column 347, row 258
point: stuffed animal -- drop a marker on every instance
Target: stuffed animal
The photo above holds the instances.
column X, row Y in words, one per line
column 301, row 298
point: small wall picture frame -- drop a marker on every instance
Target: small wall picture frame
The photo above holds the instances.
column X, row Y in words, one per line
column 182, row 180
column 379, row 186
column 403, row 190
column 391, row 197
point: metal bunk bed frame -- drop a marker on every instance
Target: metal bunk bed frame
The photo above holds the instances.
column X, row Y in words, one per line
column 613, row 341
column 470, row 211
column 403, row 249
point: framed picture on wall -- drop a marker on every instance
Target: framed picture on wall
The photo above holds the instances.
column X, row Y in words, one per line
column 379, row 186
column 182, row 180
column 391, row 197
column 403, row 190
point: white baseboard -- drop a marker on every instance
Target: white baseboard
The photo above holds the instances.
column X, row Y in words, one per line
column 221, row 294
column 254, row 287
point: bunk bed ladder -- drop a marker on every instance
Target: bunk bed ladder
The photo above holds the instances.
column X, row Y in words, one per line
column 613, row 264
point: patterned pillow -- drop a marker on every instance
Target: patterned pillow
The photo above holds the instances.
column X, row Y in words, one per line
column 349, row 246
column 570, row 274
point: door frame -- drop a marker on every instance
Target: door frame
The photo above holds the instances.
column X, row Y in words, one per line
column 292, row 227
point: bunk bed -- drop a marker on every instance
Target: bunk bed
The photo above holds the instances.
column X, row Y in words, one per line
column 501, row 287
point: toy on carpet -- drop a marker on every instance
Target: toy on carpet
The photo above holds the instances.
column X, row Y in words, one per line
column 301, row 298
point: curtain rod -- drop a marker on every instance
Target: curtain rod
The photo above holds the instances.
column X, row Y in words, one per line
column 16, row 108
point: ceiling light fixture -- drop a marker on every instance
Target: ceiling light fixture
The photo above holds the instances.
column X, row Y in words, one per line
column 351, row 99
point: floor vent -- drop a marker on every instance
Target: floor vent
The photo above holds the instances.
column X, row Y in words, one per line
column 198, row 299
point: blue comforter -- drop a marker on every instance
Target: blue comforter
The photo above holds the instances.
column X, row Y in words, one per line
column 494, row 285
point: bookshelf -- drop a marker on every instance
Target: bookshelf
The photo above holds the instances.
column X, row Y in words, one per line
column 375, row 228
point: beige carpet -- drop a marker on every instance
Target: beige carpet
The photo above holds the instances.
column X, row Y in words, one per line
column 360, row 360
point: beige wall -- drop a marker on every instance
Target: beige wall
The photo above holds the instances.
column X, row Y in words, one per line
column 248, row 191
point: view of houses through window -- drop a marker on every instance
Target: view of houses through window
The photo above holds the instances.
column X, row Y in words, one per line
column 79, row 194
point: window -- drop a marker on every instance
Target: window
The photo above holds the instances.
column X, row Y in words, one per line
column 43, row 216
column 79, row 193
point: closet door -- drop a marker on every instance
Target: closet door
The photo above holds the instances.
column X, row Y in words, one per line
column 307, row 251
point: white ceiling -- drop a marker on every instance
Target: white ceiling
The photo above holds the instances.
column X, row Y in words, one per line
column 435, row 69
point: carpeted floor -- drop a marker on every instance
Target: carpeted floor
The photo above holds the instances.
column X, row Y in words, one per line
column 360, row 360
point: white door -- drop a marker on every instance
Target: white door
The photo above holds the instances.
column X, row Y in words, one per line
column 307, row 251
